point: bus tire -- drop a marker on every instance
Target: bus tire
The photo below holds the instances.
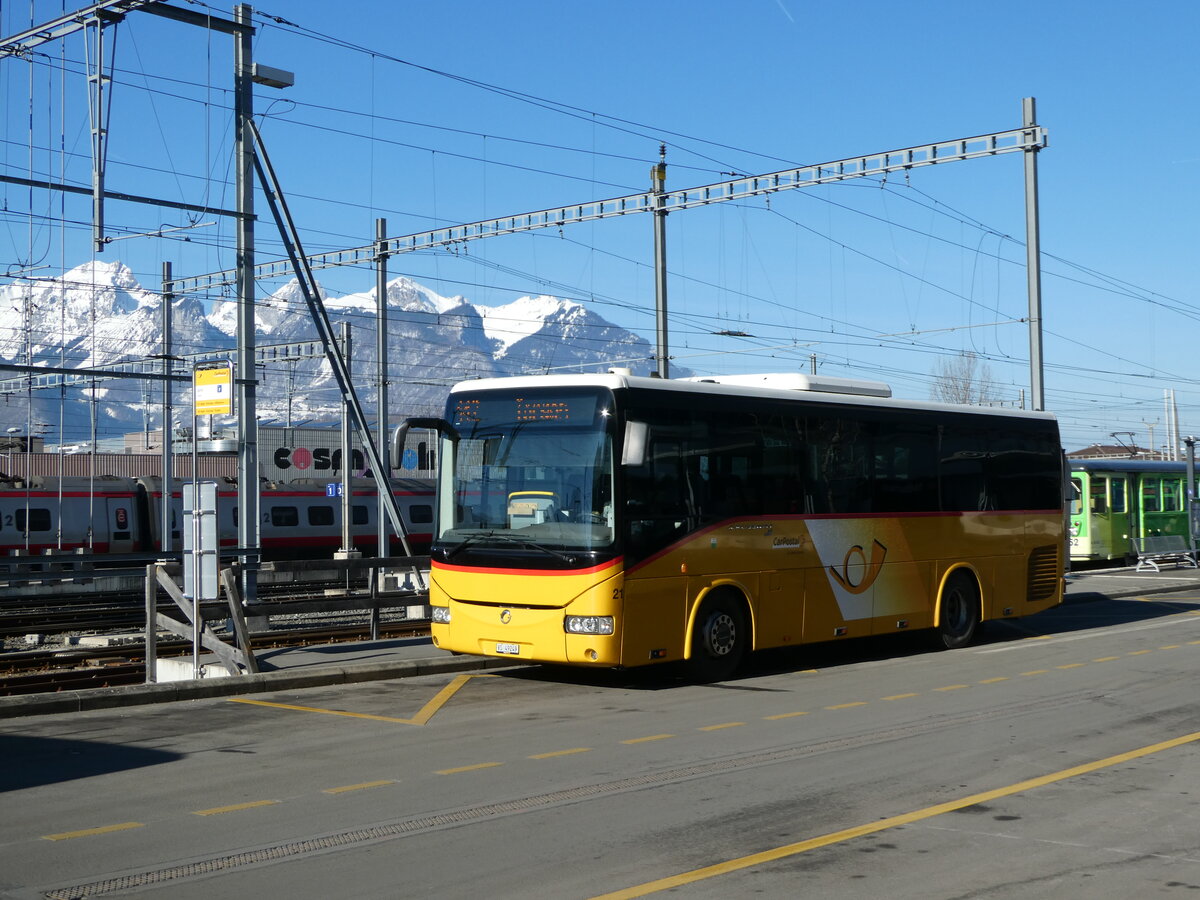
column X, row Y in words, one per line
column 959, row 619
column 719, row 638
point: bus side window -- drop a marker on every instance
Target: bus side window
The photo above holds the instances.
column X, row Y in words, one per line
column 961, row 469
column 657, row 508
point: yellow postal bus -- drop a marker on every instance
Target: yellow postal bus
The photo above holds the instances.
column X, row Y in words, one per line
column 612, row 520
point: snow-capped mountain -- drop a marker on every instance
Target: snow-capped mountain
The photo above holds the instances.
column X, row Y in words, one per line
column 99, row 315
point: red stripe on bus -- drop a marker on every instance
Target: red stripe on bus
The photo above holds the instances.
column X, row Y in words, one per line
column 612, row 563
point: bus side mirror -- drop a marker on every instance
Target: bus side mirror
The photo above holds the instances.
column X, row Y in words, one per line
column 400, row 435
column 634, row 451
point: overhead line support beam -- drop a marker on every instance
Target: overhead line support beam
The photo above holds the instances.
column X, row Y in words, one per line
column 994, row 144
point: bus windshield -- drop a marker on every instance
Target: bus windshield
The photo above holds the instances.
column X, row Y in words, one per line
column 530, row 472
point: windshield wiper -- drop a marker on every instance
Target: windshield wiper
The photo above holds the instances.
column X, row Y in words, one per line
column 509, row 539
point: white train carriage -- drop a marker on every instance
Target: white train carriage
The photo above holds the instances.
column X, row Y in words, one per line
column 110, row 514
column 300, row 518
column 97, row 514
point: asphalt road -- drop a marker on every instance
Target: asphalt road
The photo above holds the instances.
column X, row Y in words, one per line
column 1060, row 757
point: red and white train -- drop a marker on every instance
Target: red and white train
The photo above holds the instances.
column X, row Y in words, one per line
column 110, row 514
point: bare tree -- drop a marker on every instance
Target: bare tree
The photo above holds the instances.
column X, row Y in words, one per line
column 964, row 379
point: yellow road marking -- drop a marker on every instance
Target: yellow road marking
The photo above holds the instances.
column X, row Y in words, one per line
column 441, row 697
column 1106, row 659
column 994, row 680
column 1070, row 666
column 357, row 787
column 1036, row 672
column 561, row 753
column 428, row 711
column 722, row 725
column 1138, row 652
column 88, row 832
column 790, row 715
column 317, row 709
column 901, row 696
column 837, row 837
column 952, row 687
column 848, row 705
column 237, row 807
column 653, row 737
column 1170, row 647
column 1191, row 643
column 486, row 765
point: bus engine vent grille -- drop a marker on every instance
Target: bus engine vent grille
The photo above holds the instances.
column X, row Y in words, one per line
column 1042, row 579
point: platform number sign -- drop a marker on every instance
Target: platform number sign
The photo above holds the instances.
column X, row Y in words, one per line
column 212, row 390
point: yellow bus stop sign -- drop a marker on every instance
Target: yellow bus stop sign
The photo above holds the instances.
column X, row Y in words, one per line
column 212, row 390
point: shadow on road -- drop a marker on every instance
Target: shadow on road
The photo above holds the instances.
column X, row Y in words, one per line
column 1078, row 613
column 32, row 761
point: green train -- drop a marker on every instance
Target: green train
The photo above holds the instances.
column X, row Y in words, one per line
column 1118, row 500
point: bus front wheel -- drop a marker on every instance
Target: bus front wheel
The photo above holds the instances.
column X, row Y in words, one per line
column 960, row 611
column 719, row 639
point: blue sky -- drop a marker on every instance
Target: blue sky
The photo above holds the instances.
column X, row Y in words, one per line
column 410, row 111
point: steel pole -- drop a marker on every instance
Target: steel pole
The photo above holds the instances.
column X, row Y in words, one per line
column 1190, row 441
column 381, row 353
column 247, row 411
column 1033, row 258
column 347, row 464
column 165, row 543
column 658, row 182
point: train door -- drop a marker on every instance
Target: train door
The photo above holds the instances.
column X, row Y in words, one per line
column 1122, row 517
column 119, row 524
column 1080, row 534
column 1108, row 516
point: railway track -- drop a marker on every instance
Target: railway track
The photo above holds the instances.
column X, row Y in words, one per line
column 49, row 671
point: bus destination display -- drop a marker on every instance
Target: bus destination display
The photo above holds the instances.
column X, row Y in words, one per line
column 565, row 409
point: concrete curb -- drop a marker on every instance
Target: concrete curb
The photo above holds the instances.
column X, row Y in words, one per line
column 279, row 680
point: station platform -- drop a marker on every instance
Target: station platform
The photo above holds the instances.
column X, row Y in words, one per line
column 347, row 663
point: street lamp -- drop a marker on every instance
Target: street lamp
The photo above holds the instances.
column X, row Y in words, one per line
column 8, row 446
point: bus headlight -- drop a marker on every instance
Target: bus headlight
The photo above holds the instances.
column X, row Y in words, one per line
column 588, row 624
column 440, row 615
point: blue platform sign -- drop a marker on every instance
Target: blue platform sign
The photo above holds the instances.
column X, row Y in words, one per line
column 333, row 489
column 409, row 459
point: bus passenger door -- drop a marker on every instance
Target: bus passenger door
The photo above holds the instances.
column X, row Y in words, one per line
column 658, row 514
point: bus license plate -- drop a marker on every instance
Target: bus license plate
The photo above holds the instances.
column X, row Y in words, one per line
column 510, row 649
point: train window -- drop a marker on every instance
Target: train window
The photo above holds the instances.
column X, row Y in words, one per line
column 1117, row 491
column 1170, row 495
column 320, row 515
column 1151, row 497
column 285, row 516
column 359, row 515
column 1099, row 494
column 420, row 514
column 1076, row 496
column 39, row 520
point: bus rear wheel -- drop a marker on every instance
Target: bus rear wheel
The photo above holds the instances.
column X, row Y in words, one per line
column 959, row 619
column 719, row 639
